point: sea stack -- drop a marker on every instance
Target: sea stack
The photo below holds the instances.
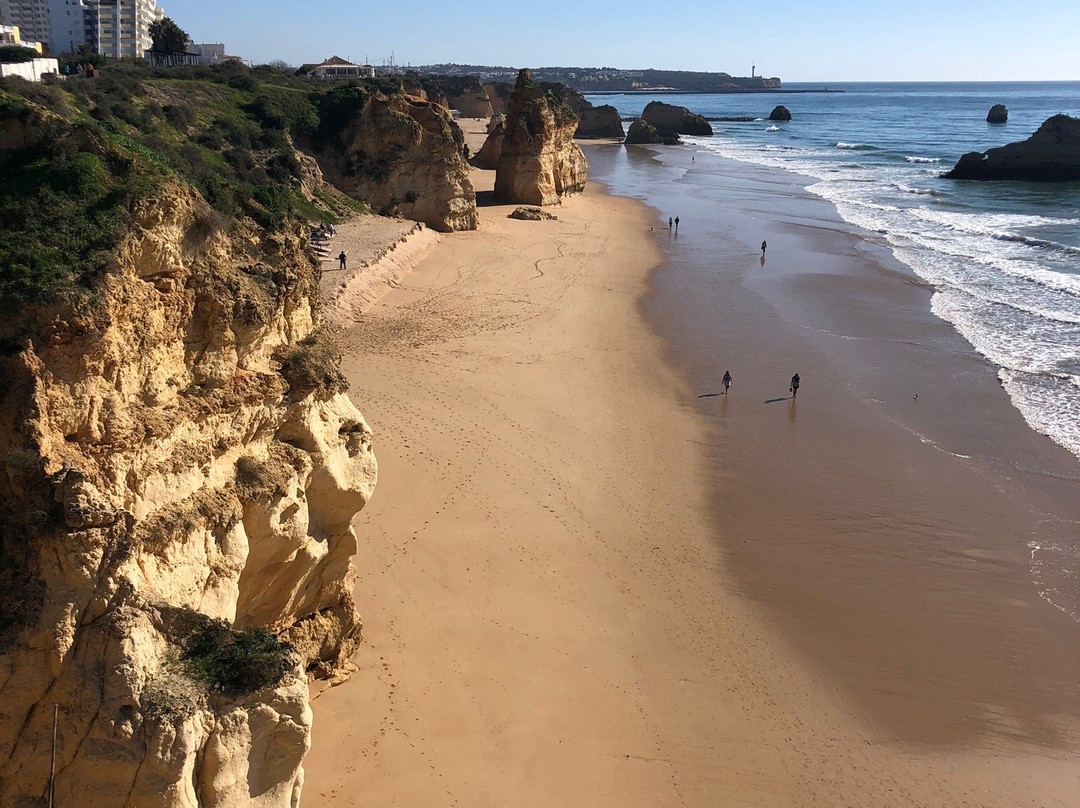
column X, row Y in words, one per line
column 1052, row 154
column 998, row 113
column 539, row 162
column 671, row 121
column 780, row 113
column 642, row 131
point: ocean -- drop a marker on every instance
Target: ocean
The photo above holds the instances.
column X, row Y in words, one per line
column 1003, row 258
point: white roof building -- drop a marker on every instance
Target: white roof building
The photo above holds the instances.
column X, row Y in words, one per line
column 337, row 68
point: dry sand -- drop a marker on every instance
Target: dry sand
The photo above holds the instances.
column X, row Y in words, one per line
column 549, row 618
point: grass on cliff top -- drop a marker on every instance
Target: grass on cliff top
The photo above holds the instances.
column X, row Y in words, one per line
column 107, row 143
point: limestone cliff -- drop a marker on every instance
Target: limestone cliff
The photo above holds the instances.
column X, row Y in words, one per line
column 1052, row 154
column 400, row 154
column 181, row 466
column 491, row 151
column 464, row 93
column 539, row 162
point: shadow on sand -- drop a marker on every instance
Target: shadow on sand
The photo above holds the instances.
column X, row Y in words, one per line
column 784, row 398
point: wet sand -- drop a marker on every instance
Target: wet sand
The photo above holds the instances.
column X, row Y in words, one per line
column 583, row 584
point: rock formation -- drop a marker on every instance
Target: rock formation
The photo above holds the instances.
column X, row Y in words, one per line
column 464, row 93
column 1052, row 154
column 498, row 94
column 642, row 131
column 177, row 450
column 998, row 113
column 671, row 121
column 539, row 162
column 780, row 113
column 597, row 122
column 593, row 122
column 489, row 154
column 401, row 155
column 531, row 215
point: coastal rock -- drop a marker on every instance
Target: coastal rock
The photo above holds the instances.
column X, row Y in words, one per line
column 498, row 93
column 464, row 93
column 593, row 122
column 539, row 162
column 671, row 121
column 780, row 113
column 401, row 155
column 642, row 131
column 602, row 121
column 998, row 113
column 1052, row 154
column 180, row 461
column 531, row 215
column 489, row 154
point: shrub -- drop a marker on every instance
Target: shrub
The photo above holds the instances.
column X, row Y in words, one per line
column 17, row 53
column 314, row 365
column 236, row 662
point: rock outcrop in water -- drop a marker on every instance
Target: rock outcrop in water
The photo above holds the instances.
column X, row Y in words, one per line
column 998, row 113
column 641, row 131
column 671, row 121
column 1052, row 154
column 539, row 162
column 401, row 154
column 780, row 113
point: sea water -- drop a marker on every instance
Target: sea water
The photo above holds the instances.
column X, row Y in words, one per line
column 1003, row 257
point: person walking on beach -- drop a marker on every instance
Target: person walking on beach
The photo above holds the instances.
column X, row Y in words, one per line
column 763, row 246
column 727, row 380
column 669, row 223
column 341, row 260
column 676, row 225
column 795, row 386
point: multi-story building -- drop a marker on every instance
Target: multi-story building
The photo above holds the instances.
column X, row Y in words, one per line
column 30, row 16
column 121, row 27
column 67, row 25
column 113, row 27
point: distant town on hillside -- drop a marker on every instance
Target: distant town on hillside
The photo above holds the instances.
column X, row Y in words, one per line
column 613, row 80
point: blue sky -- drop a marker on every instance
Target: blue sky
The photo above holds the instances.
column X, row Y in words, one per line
column 793, row 39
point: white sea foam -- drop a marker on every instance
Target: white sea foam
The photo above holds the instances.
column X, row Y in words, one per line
column 1012, row 292
column 772, row 129
column 855, row 146
column 1050, row 404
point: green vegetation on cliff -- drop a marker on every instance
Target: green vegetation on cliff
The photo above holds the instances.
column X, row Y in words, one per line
column 78, row 157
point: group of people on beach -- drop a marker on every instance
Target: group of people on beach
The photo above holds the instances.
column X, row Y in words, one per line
column 674, row 222
column 793, row 389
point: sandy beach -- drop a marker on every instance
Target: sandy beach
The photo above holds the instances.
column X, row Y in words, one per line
column 559, row 601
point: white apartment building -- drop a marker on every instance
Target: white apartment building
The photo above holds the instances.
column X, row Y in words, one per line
column 113, row 27
column 122, row 27
column 67, row 25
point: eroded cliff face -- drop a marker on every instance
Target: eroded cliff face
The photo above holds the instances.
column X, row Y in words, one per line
column 403, row 155
column 539, row 162
column 177, row 449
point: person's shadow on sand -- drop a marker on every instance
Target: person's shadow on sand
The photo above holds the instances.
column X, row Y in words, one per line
column 711, row 395
column 782, row 398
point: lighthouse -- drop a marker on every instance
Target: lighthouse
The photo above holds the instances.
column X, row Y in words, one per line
column 752, row 69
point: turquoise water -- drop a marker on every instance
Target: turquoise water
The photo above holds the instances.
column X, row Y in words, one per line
column 1003, row 258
